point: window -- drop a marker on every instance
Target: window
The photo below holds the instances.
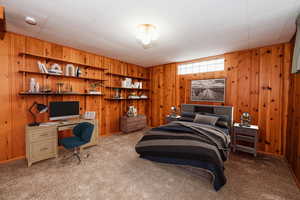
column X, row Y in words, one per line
column 203, row 66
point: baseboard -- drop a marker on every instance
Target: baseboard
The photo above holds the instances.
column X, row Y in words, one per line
column 271, row 154
column 12, row 159
column 293, row 173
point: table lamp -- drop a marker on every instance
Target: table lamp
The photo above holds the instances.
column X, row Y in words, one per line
column 41, row 108
column 245, row 119
column 173, row 111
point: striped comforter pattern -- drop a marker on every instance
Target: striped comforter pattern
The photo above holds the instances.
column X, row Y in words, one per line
column 188, row 143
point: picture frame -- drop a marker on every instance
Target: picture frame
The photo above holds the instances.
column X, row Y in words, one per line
column 208, row 90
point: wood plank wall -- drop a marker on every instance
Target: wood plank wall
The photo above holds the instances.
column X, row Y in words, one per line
column 293, row 127
column 256, row 82
column 14, row 108
column 293, row 131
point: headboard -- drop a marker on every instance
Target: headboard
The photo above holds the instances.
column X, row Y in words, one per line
column 218, row 110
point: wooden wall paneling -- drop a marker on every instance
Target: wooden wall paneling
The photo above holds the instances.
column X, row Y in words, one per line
column 264, row 93
column 113, row 117
column 182, row 90
column 34, row 46
column 5, row 119
column 156, row 95
column 12, row 134
column 296, row 136
column 176, row 88
column 256, row 82
column 167, row 88
column 37, row 47
column 276, row 83
column 164, row 88
column 293, row 136
column 290, row 137
column 274, row 120
column 231, row 64
column 151, row 96
column 114, row 106
column 254, row 85
column 161, row 93
column 170, row 87
column 100, row 100
column 271, row 63
column 18, row 103
column 243, row 83
column 287, row 64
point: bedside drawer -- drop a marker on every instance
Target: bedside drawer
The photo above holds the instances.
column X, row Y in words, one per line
column 245, row 131
column 39, row 135
column 245, row 149
column 43, row 150
column 245, row 138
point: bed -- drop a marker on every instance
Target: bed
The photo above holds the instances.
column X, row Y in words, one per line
column 199, row 138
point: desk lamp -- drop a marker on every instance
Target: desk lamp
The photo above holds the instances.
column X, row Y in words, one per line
column 41, row 108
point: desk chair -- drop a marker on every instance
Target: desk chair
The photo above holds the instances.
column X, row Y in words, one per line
column 82, row 135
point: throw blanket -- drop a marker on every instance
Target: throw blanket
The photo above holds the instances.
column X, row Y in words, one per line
column 188, row 143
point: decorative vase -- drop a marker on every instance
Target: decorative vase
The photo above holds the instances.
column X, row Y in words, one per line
column 32, row 85
column 37, row 87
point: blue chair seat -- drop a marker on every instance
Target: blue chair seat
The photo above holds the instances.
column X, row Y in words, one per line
column 72, row 142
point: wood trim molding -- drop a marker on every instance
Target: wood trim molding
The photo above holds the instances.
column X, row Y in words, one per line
column 201, row 59
column 13, row 159
column 292, row 172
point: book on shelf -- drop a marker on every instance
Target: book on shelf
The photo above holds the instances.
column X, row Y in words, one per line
column 94, row 92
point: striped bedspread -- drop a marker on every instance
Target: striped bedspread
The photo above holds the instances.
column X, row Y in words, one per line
column 188, row 143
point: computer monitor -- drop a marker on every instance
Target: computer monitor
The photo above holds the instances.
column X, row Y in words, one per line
column 60, row 110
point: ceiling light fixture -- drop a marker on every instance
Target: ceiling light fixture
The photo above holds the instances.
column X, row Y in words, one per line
column 30, row 21
column 146, row 34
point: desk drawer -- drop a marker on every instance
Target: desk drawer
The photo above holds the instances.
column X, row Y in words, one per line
column 66, row 127
column 42, row 134
column 43, row 149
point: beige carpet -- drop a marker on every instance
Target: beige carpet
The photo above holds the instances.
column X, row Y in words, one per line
column 114, row 171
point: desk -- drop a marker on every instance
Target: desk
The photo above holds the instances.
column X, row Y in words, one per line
column 42, row 141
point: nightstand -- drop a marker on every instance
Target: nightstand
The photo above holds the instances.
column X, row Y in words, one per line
column 245, row 134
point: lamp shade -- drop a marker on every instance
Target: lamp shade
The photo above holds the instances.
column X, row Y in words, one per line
column 41, row 108
column 146, row 34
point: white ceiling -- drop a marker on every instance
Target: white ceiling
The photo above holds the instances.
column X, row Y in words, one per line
column 188, row 29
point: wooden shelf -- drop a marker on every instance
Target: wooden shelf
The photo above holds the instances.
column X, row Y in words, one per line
column 62, row 76
column 59, row 94
column 122, row 88
column 114, row 99
column 126, row 76
column 62, row 60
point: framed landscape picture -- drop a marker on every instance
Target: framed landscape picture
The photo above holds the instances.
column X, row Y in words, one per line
column 212, row 90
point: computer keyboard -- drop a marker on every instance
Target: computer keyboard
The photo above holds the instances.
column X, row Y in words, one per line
column 49, row 124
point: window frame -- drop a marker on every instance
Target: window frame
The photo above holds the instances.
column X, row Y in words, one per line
column 187, row 68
